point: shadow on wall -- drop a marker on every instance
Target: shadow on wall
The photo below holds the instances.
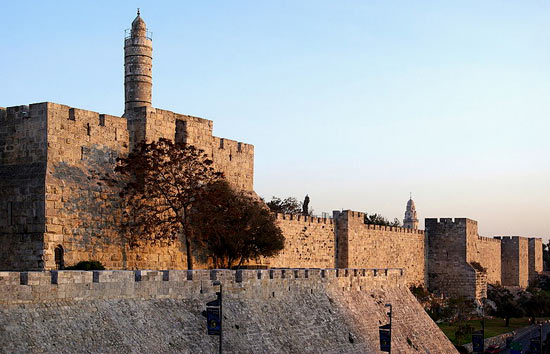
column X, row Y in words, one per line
column 87, row 203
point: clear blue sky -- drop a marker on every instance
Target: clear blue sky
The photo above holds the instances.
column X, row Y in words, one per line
column 356, row 103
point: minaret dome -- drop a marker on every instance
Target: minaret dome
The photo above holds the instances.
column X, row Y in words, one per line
column 410, row 221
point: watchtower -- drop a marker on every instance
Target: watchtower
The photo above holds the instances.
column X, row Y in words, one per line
column 138, row 63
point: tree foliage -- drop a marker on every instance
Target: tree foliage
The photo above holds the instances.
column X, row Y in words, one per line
column 233, row 227
column 377, row 219
column 161, row 182
column 288, row 205
column 506, row 305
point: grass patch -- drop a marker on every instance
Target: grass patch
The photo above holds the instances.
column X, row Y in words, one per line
column 493, row 327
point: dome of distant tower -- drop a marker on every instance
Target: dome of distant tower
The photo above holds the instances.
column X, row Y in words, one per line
column 410, row 205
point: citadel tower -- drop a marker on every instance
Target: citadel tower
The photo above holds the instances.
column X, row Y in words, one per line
column 410, row 221
column 138, row 62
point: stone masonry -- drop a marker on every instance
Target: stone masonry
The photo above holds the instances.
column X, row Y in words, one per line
column 264, row 311
column 535, row 258
column 461, row 263
column 56, row 208
column 515, row 261
column 360, row 245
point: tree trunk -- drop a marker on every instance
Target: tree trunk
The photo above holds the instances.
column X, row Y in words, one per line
column 507, row 321
column 185, row 232
column 189, row 256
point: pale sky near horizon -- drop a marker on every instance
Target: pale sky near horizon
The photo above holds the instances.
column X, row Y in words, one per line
column 356, row 103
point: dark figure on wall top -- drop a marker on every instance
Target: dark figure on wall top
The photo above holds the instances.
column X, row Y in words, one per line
column 305, row 206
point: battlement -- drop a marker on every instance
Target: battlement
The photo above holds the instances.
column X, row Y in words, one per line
column 34, row 110
column 359, row 217
column 232, row 145
column 303, row 218
column 450, row 221
column 77, row 115
column 510, row 238
column 33, row 287
column 488, row 239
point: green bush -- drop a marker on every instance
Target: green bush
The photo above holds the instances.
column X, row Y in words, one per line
column 87, row 265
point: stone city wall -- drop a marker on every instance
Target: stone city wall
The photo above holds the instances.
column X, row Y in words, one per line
column 265, row 311
column 515, row 261
column 53, row 160
column 448, row 271
column 366, row 246
column 486, row 252
column 309, row 242
column 235, row 159
column 23, row 149
column 535, row 258
column 83, row 212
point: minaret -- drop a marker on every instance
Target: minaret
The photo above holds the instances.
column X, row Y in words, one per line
column 410, row 221
column 138, row 62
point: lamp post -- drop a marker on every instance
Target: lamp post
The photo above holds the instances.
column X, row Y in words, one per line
column 389, row 314
column 217, row 282
column 214, row 316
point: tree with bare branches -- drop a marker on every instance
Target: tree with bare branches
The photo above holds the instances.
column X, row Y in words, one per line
column 162, row 180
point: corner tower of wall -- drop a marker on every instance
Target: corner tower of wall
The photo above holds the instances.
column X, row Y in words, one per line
column 535, row 258
column 515, row 261
column 448, row 271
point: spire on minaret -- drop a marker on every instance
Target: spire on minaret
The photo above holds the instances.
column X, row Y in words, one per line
column 138, row 11
column 410, row 221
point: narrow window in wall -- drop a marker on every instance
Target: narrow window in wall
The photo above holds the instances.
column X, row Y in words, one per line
column 239, row 147
column 71, row 114
column 230, row 157
column 221, row 143
column 59, row 257
column 10, row 216
column 88, row 129
column 116, row 134
column 181, row 131
column 82, row 152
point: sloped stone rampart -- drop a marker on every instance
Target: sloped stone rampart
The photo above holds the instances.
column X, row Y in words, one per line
column 265, row 311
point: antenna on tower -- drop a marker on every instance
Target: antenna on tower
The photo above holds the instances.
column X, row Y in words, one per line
column 410, row 195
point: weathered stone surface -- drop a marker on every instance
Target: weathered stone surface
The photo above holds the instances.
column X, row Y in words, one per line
column 515, row 261
column 298, row 311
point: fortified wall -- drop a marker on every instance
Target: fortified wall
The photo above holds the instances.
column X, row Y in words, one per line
column 23, row 146
column 462, row 263
column 53, row 160
column 367, row 246
column 264, row 311
column 345, row 241
column 57, row 208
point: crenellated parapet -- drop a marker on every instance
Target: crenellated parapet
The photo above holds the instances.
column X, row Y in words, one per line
column 362, row 245
column 358, row 218
column 40, row 287
column 303, row 218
